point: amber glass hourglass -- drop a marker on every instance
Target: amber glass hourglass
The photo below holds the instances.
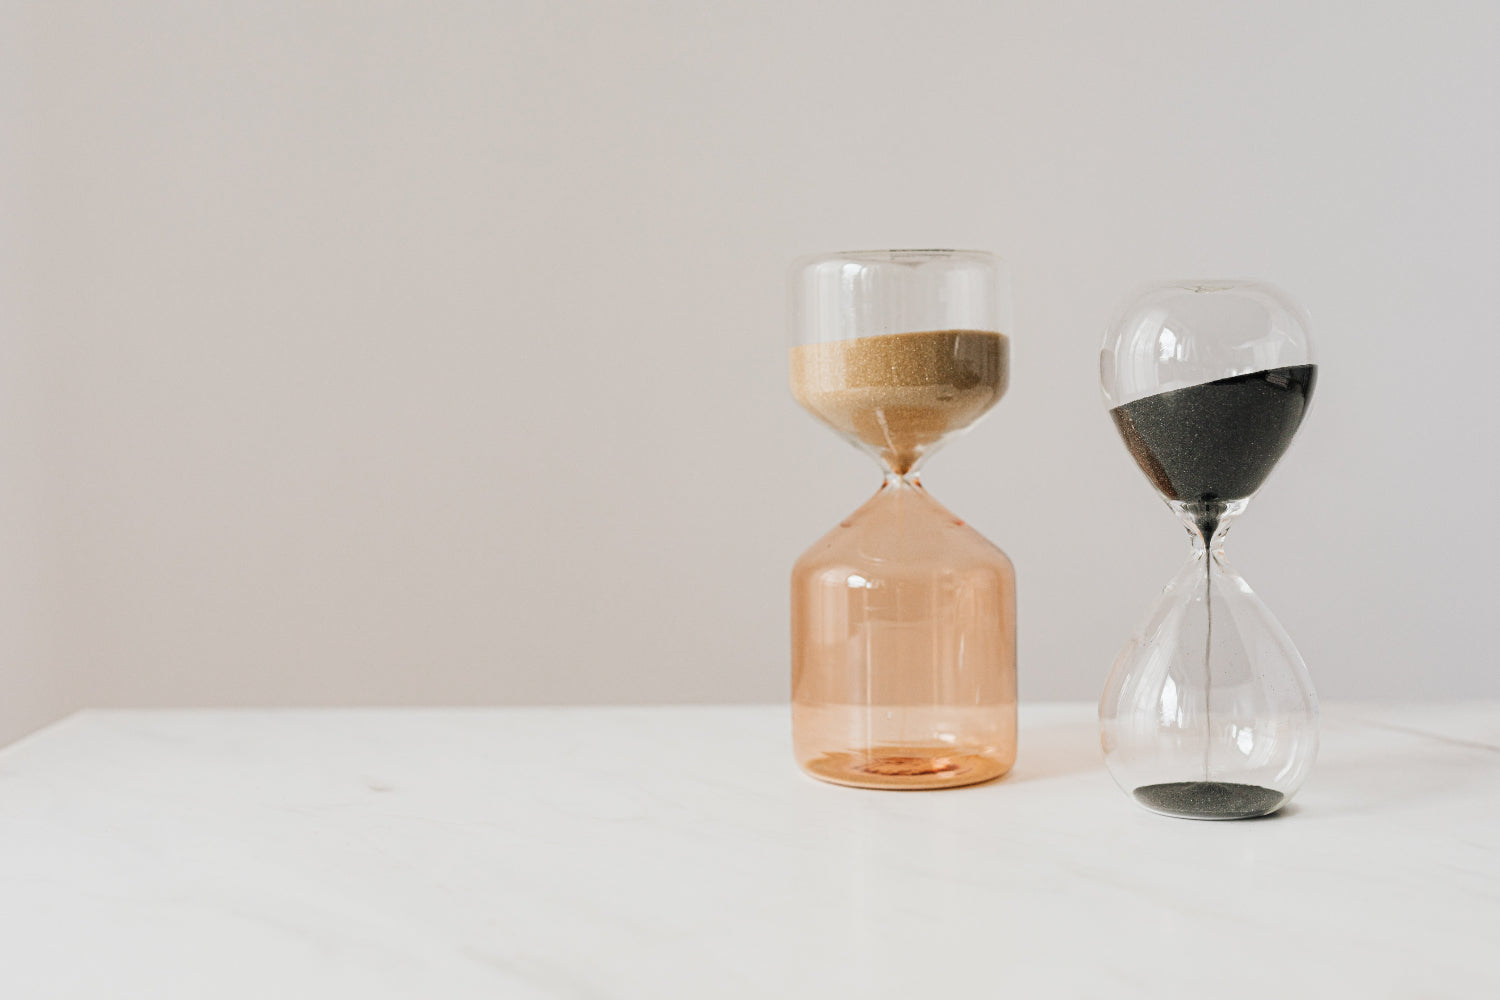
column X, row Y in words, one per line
column 903, row 616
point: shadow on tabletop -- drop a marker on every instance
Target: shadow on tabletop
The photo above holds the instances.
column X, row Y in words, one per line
column 1056, row 751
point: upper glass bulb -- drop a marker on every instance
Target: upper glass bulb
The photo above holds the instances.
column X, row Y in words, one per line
column 1207, row 382
column 899, row 350
column 1182, row 333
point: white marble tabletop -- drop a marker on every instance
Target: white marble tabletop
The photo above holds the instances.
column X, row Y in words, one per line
column 678, row 853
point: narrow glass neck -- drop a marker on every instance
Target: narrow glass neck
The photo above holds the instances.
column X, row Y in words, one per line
column 1208, row 521
column 912, row 479
column 903, row 461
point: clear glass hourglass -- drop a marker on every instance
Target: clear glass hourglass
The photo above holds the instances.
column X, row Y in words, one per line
column 903, row 616
column 1209, row 712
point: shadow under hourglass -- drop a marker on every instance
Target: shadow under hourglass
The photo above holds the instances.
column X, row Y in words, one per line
column 1057, row 750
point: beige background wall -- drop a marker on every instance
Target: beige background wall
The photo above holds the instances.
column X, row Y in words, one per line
column 432, row 352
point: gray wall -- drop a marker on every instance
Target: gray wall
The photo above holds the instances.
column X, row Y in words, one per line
column 432, row 352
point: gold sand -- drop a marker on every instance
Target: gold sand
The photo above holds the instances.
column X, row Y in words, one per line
column 901, row 393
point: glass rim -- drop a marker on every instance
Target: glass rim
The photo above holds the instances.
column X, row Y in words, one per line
column 1203, row 286
column 900, row 256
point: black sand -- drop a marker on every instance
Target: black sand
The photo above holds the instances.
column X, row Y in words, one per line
column 1209, row 799
column 1217, row 441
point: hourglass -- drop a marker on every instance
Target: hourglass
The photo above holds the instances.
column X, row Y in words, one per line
column 903, row 616
column 1209, row 712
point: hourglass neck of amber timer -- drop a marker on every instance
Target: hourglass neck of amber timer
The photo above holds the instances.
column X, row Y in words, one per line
column 903, row 616
column 1209, row 712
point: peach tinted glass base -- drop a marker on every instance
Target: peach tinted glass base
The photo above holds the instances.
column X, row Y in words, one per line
column 903, row 648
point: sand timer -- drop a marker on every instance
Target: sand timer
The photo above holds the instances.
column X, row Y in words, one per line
column 903, row 616
column 1209, row 712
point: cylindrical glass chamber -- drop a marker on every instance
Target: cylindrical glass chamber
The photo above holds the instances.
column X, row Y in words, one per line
column 903, row 616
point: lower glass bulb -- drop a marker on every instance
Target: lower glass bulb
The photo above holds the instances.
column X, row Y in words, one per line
column 1209, row 712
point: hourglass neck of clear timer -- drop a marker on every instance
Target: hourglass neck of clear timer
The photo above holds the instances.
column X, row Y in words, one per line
column 1209, row 712
column 903, row 616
